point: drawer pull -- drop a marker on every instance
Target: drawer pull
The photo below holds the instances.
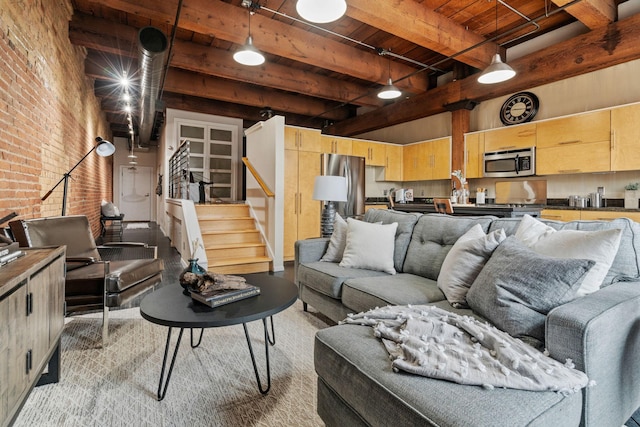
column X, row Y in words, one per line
column 569, row 171
column 577, row 141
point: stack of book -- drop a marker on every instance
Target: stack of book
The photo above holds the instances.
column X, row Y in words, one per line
column 10, row 253
column 219, row 294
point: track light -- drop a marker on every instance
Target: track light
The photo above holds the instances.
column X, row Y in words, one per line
column 497, row 71
column 321, row 11
column 248, row 54
column 389, row 91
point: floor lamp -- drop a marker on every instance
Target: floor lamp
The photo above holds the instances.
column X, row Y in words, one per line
column 104, row 149
column 330, row 189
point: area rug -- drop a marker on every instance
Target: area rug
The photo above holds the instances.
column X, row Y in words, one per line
column 213, row 385
column 136, row 225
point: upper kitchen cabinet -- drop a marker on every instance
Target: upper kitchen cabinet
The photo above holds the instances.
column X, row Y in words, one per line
column 302, row 139
column 428, row 160
column 412, row 163
column 625, row 135
column 473, row 155
column 575, row 144
column 509, row 138
column 393, row 162
column 336, row 145
column 373, row 152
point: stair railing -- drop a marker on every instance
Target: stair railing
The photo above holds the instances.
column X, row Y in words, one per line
column 265, row 188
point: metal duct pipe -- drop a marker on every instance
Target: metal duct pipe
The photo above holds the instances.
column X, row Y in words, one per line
column 152, row 52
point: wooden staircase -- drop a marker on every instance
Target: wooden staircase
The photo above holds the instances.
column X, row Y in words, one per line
column 231, row 239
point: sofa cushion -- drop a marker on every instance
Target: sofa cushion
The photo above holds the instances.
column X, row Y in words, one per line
column 432, row 238
column 328, row 277
column 363, row 294
column 354, row 364
column 370, row 246
column 406, row 222
column 464, row 261
column 518, row 287
column 337, row 242
column 600, row 246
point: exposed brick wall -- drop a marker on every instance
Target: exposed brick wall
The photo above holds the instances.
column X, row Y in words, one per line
column 49, row 116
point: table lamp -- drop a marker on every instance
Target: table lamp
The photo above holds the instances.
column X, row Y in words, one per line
column 330, row 189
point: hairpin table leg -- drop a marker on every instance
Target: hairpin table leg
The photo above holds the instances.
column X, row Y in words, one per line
column 199, row 339
column 163, row 391
column 267, row 341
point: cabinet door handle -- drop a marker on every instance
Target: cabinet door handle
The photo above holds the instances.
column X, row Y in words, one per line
column 613, row 140
column 569, row 171
column 29, row 304
column 28, row 361
column 300, row 202
column 507, row 147
column 577, row 141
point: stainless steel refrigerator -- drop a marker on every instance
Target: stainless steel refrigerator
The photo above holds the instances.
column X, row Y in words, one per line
column 351, row 167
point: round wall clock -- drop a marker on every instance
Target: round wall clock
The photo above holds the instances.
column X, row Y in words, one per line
column 519, row 108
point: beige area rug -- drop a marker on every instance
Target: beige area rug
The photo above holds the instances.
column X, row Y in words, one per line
column 213, row 385
column 136, row 225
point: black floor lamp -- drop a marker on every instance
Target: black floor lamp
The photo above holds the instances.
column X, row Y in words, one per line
column 104, row 149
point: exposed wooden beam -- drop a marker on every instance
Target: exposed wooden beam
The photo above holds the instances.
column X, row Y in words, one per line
column 592, row 13
column 598, row 49
column 97, row 34
column 413, row 21
column 230, row 23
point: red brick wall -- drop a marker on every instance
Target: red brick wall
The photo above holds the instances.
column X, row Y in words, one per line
column 49, row 116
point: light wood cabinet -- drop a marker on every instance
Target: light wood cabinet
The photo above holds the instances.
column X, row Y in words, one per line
column 574, row 158
column 572, row 131
column 428, row 160
column 393, row 162
column 440, row 152
column 560, row 214
column 509, row 138
column 367, row 207
column 625, row 136
column 301, row 212
column 302, row 139
column 336, row 145
column 373, row 152
column 32, row 316
column 412, row 162
column 587, row 215
column 473, row 155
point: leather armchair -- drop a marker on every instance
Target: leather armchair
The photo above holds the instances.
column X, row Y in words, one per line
column 91, row 283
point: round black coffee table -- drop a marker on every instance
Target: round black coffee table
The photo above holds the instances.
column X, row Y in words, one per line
column 168, row 306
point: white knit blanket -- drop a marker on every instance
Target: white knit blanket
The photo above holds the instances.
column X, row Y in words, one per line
column 435, row 343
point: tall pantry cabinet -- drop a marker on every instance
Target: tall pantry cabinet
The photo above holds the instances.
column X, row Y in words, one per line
column 302, row 165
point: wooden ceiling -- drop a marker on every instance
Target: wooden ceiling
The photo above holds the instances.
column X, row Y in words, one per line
column 329, row 79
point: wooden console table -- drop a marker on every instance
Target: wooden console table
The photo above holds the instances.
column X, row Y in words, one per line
column 32, row 319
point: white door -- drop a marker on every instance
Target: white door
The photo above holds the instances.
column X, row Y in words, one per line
column 135, row 192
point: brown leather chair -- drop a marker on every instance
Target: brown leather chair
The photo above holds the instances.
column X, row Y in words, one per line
column 91, row 283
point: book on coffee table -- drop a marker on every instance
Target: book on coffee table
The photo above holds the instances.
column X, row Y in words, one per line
column 218, row 297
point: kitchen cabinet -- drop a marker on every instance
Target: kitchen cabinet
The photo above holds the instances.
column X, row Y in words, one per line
column 560, row 214
column 625, row 134
column 374, row 153
column 32, row 316
column 588, row 215
column 336, row 145
column 367, row 207
column 510, row 138
column 301, row 212
column 572, row 131
column 473, row 155
column 302, row 139
column 428, row 160
column 574, row 158
column 393, row 162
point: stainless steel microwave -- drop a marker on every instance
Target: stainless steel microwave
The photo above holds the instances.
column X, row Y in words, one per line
column 510, row 163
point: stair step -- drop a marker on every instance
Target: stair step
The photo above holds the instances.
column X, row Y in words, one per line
column 231, row 237
column 222, row 211
column 218, row 252
column 241, row 265
column 226, row 224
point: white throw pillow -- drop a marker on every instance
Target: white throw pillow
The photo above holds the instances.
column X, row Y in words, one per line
column 464, row 262
column 337, row 242
column 370, row 246
column 109, row 209
column 600, row 246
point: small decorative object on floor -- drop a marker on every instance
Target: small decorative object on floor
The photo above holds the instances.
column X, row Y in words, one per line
column 190, row 275
column 215, row 289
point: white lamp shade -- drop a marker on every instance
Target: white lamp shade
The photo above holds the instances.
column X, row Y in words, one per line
column 321, row 11
column 105, row 148
column 248, row 54
column 496, row 72
column 389, row 91
column 330, row 188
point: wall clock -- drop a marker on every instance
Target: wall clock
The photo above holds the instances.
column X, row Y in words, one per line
column 519, row 108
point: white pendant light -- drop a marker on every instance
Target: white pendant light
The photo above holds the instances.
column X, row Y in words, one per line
column 321, row 11
column 389, row 91
column 497, row 71
column 248, row 54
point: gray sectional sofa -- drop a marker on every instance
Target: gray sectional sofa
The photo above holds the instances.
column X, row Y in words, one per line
column 600, row 332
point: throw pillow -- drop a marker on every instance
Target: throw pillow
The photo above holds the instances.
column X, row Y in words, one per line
column 464, row 261
column 600, row 246
column 337, row 242
column 369, row 246
column 109, row 209
column 518, row 287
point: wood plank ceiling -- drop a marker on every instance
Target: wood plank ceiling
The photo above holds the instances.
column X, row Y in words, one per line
column 329, row 79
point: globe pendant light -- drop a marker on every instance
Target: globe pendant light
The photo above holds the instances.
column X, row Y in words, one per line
column 248, row 54
column 389, row 91
column 497, row 71
column 321, row 11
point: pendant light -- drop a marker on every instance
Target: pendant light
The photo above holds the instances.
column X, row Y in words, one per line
column 321, row 11
column 390, row 91
column 248, row 54
column 497, row 71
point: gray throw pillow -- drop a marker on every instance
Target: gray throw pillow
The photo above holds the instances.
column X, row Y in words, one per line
column 518, row 287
